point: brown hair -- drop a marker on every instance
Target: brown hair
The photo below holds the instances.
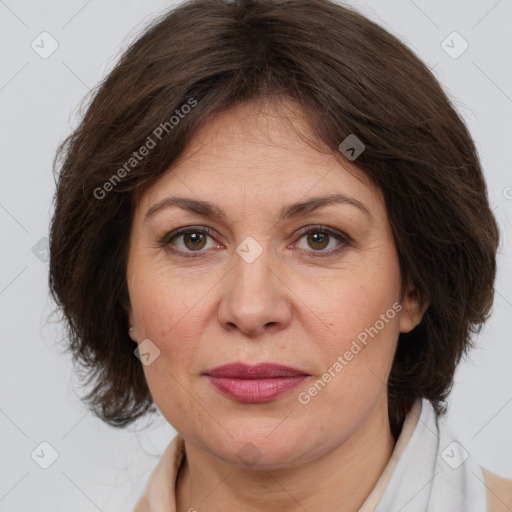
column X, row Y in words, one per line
column 349, row 76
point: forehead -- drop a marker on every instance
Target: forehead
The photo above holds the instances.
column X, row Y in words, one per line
column 259, row 152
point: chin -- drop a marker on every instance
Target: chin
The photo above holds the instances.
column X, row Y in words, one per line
column 265, row 443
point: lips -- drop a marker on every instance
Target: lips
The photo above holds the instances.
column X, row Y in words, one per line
column 260, row 371
column 254, row 384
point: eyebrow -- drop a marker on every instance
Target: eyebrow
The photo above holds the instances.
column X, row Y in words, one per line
column 208, row 209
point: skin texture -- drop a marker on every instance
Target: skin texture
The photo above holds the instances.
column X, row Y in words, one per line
column 289, row 306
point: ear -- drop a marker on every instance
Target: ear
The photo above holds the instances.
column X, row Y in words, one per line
column 412, row 309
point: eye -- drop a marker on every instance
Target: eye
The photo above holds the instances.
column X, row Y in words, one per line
column 188, row 240
column 191, row 239
column 318, row 238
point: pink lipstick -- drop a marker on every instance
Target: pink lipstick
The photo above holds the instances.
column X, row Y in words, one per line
column 255, row 384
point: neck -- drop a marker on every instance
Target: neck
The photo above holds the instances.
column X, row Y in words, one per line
column 339, row 481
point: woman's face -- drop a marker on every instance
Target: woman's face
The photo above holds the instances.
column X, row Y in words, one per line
column 252, row 286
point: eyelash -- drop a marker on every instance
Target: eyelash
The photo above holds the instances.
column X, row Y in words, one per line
column 345, row 240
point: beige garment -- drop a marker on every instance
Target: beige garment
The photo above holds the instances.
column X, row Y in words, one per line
column 158, row 496
column 408, row 427
column 159, row 493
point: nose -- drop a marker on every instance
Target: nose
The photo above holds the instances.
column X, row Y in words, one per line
column 255, row 300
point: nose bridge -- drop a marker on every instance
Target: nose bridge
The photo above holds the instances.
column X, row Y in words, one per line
column 253, row 297
column 252, row 267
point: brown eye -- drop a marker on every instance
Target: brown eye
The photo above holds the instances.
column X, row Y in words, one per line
column 189, row 240
column 318, row 240
column 194, row 241
column 322, row 241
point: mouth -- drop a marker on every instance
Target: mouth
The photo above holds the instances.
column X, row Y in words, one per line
column 255, row 384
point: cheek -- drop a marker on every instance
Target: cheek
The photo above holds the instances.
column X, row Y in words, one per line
column 170, row 314
column 355, row 326
column 363, row 329
column 357, row 354
column 351, row 300
column 170, row 311
column 162, row 302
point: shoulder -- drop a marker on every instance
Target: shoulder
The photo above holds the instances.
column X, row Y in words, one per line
column 499, row 492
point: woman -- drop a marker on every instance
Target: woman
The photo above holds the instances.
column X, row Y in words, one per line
column 276, row 202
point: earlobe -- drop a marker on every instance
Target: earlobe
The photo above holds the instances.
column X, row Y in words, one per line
column 412, row 310
column 131, row 330
column 131, row 333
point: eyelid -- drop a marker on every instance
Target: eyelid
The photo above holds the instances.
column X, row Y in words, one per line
column 324, row 229
column 342, row 237
column 345, row 240
column 188, row 229
column 165, row 241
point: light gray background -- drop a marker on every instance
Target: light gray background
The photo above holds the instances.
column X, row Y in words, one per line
column 101, row 468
